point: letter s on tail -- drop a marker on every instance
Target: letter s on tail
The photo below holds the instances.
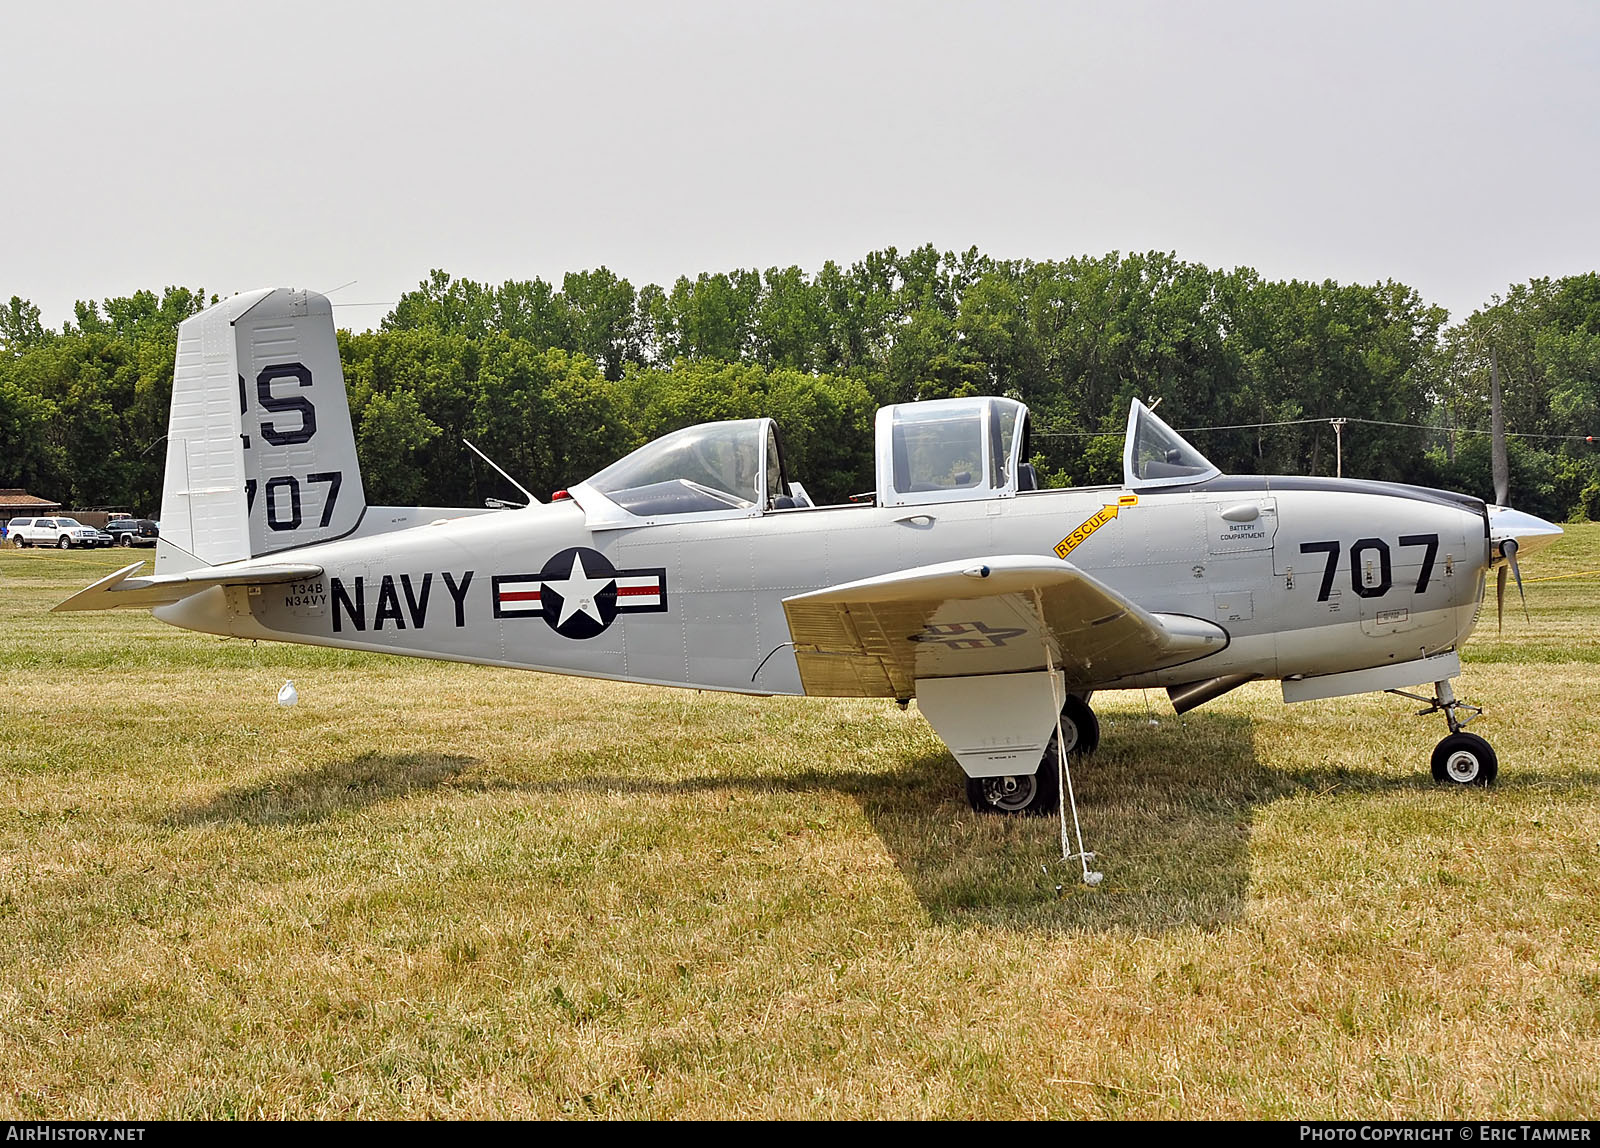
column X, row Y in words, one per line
column 261, row 456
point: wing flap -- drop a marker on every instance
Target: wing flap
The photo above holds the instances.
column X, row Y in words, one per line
column 121, row 590
column 876, row 636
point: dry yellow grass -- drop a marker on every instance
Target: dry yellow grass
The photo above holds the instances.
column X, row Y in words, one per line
column 438, row 890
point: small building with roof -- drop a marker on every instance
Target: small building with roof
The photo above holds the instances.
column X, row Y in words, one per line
column 16, row 503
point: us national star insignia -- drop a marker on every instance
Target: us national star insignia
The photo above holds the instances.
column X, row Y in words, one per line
column 579, row 593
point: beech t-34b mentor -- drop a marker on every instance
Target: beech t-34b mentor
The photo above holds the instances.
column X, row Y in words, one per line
column 695, row 561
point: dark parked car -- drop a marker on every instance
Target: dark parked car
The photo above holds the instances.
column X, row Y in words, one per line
column 133, row 531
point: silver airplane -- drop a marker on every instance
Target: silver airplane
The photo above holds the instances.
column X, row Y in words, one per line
column 698, row 561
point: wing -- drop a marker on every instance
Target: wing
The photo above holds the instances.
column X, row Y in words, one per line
column 998, row 615
column 119, row 590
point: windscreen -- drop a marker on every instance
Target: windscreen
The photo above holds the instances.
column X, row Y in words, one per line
column 1157, row 454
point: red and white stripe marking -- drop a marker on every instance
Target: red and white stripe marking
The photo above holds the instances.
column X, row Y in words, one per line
column 519, row 597
column 638, row 591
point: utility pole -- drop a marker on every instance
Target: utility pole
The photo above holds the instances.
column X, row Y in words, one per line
column 1338, row 446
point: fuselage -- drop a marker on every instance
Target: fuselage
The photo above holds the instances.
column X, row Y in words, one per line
column 1305, row 575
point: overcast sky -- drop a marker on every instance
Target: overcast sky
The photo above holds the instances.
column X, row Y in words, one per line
column 1451, row 146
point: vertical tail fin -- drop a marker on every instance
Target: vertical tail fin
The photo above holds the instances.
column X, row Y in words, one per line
column 261, row 456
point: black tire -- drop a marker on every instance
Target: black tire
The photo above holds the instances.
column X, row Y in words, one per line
column 1033, row 794
column 125, row 539
column 1077, row 713
column 1465, row 759
column 1039, row 793
column 64, row 543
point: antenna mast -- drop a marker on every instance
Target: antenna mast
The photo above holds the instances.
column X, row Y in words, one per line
column 531, row 499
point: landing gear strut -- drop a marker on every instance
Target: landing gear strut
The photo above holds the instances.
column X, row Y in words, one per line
column 1039, row 793
column 1462, row 758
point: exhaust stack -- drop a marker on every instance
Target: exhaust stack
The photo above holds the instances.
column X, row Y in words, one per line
column 1191, row 694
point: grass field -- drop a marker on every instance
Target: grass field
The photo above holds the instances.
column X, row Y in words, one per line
column 441, row 890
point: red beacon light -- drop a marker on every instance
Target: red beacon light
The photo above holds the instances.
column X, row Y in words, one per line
column 559, row 495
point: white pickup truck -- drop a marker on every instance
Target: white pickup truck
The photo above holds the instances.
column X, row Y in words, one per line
column 64, row 533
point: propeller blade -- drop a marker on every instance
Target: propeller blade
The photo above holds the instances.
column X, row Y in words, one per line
column 1497, row 433
column 1509, row 549
column 1500, row 599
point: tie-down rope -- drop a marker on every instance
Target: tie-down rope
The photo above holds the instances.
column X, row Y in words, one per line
column 1064, row 771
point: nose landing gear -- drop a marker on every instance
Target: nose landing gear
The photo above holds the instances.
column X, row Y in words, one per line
column 1462, row 758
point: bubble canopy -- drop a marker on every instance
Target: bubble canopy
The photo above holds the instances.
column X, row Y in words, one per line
column 1155, row 455
column 711, row 467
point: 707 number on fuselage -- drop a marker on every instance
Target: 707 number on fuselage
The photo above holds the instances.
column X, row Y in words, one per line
column 1361, row 575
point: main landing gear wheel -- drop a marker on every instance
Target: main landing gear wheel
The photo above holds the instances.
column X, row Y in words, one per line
column 1029, row 793
column 1038, row 793
column 1466, row 759
column 1076, row 715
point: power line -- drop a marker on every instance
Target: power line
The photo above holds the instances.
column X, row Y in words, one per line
column 1184, row 430
column 1468, row 430
column 1329, row 421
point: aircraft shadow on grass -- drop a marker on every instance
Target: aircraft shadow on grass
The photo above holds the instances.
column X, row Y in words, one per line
column 332, row 789
column 1169, row 809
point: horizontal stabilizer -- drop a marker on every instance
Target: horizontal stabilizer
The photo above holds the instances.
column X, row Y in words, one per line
column 120, row 590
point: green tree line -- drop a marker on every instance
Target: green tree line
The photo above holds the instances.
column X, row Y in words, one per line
column 555, row 382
